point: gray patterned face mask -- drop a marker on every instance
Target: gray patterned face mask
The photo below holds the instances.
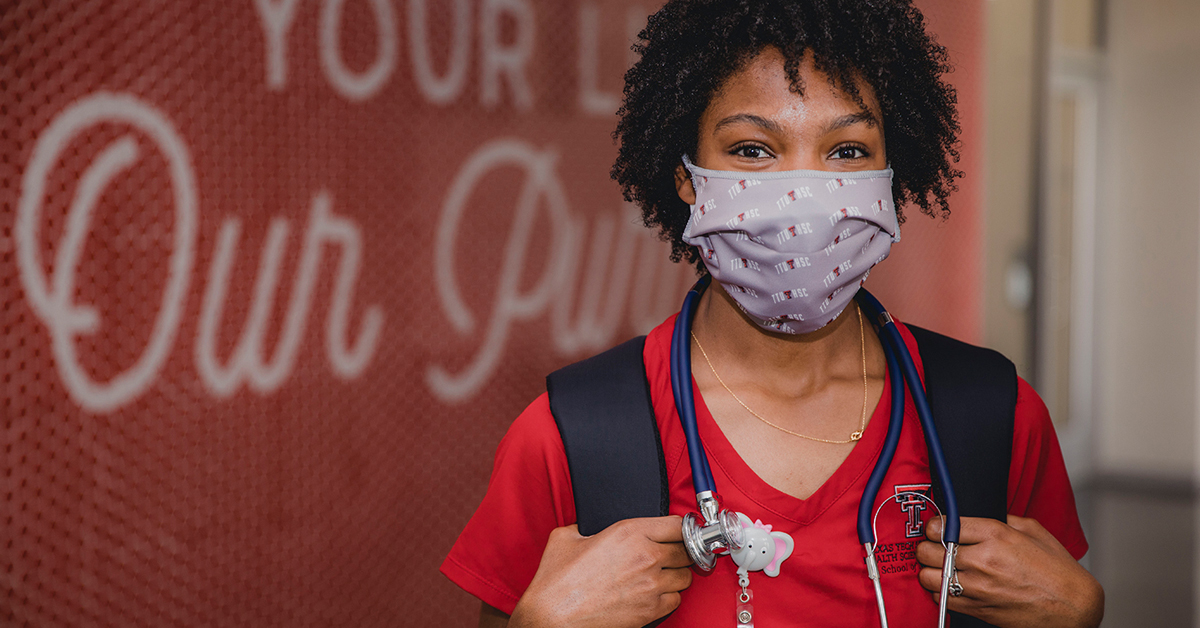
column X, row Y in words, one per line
column 792, row 247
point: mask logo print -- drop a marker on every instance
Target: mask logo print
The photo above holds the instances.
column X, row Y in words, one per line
column 816, row 230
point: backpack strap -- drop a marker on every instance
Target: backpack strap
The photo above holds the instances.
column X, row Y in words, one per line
column 972, row 393
column 606, row 419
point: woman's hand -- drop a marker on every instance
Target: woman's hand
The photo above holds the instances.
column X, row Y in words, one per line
column 1013, row 576
column 626, row 576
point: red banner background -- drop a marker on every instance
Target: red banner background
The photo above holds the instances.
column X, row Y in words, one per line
column 277, row 275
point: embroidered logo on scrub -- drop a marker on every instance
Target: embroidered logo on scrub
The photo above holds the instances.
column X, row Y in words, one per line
column 913, row 506
column 900, row 556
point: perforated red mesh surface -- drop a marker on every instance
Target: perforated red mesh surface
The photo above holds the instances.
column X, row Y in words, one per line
column 185, row 441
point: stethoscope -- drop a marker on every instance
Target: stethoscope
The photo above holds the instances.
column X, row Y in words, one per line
column 717, row 531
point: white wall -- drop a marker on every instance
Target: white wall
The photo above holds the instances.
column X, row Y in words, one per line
column 1118, row 218
column 1012, row 75
column 1147, row 237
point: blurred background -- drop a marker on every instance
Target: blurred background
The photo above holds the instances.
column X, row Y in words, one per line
column 276, row 276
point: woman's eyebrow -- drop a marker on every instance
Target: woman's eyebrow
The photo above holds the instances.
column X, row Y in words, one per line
column 850, row 120
column 759, row 121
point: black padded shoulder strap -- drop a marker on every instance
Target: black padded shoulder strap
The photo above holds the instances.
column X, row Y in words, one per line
column 972, row 393
column 606, row 419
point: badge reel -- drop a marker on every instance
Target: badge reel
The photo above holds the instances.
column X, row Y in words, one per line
column 753, row 546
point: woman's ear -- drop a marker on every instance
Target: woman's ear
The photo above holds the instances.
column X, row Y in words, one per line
column 683, row 185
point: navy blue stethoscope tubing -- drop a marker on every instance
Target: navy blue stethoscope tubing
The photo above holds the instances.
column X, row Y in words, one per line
column 681, row 386
column 893, row 344
column 901, row 368
column 866, row 532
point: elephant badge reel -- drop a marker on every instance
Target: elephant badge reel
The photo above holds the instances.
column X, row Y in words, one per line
column 763, row 550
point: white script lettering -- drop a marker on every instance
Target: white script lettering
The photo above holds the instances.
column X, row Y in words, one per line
column 53, row 302
column 654, row 293
column 51, row 299
column 248, row 362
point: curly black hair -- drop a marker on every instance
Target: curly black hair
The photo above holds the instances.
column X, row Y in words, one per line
column 690, row 47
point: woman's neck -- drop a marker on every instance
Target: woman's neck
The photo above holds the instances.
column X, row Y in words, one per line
column 781, row 364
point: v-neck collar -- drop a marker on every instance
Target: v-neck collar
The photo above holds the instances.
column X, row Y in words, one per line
column 848, row 476
column 735, row 474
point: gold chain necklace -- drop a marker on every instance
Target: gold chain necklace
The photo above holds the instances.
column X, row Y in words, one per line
column 854, row 436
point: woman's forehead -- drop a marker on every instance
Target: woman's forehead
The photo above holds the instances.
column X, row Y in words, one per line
column 761, row 87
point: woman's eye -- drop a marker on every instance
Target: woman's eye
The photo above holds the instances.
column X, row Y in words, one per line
column 849, row 152
column 751, row 151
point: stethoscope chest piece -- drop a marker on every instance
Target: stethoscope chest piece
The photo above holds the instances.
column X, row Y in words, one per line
column 705, row 540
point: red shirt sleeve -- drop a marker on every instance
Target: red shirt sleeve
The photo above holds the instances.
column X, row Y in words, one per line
column 499, row 551
column 1038, row 486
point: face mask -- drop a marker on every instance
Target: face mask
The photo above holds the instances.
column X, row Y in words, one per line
column 793, row 247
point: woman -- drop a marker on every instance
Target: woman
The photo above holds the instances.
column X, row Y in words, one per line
column 786, row 385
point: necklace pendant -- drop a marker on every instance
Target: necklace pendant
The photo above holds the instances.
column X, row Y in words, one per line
column 855, row 436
